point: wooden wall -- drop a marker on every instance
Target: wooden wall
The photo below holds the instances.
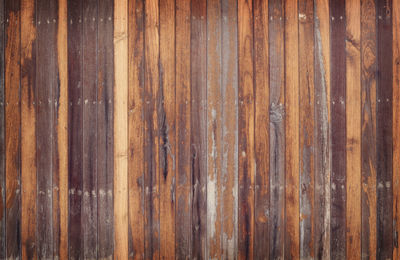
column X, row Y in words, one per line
column 198, row 129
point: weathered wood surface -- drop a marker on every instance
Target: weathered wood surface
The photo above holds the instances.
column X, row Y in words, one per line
column 249, row 129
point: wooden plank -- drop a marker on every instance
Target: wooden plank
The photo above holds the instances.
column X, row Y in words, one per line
column 277, row 128
column 384, row 123
column 136, row 129
column 353, row 130
column 338, row 119
column 198, row 132
column 60, row 177
column 396, row 127
column 167, row 129
column 105, row 160
column 306, row 127
column 229, row 91
column 12, row 128
column 246, row 168
column 368, row 128
column 120, row 129
column 183, row 129
column 75, row 128
column 28, row 130
column 292, row 163
column 89, row 80
column 151, row 134
column 2, row 138
column 214, row 129
column 323, row 162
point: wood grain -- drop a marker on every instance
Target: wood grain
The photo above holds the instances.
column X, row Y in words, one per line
column 12, row 58
column 136, row 128
column 2, row 137
column 292, row 156
column 246, row 143
column 168, row 116
column 353, row 130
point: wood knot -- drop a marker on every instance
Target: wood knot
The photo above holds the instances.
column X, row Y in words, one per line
column 276, row 112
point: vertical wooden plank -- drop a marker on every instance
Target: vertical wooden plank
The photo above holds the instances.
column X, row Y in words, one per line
column 214, row 129
column 121, row 129
column 75, row 128
column 151, row 135
column 198, row 132
column 183, row 129
column 323, row 163
column 60, row 179
column 368, row 128
column 306, row 127
column 28, row 130
column 229, row 91
column 353, row 130
column 12, row 128
column 2, row 138
column 246, row 144
column 396, row 127
column 105, row 160
column 292, row 163
column 167, row 129
column 136, row 129
column 384, row 139
column 277, row 128
column 89, row 80
column 338, row 119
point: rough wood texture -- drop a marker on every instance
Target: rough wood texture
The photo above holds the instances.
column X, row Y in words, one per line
column 2, row 139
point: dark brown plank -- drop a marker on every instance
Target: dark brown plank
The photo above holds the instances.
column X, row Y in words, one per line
column 105, row 156
column 151, row 135
column 12, row 128
column 136, row 129
column 306, row 127
column 246, row 167
column 277, row 128
column 198, row 132
column 338, row 118
column 384, row 138
column 2, row 139
column 28, row 130
column 89, row 80
column 75, row 124
column 261, row 94
column 322, row 130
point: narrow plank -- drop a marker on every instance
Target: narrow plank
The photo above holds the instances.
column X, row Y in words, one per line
column 353, row 130
column 323, row 162
column 183, row 129
column 136, row 129
column 396, row 127
column 28, row 130
column 120, row 129
column 229, row 91
column 368, row 128
column 292, row 163
column 338, row 119
column 198, row 55
column 2, row 138
column 306, row 127
column 60, row 177
column 89, row 80
column 384, row 124
column 75, row 124
column 277, row 128
column 12, row 128
column 167, row 128
column 105, row 160
column 214, row 129
column 151, row 134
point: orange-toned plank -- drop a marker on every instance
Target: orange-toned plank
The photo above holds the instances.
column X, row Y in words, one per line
column 353, row 131
column 292, row 162
column 121, row 129
column 2, row 141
